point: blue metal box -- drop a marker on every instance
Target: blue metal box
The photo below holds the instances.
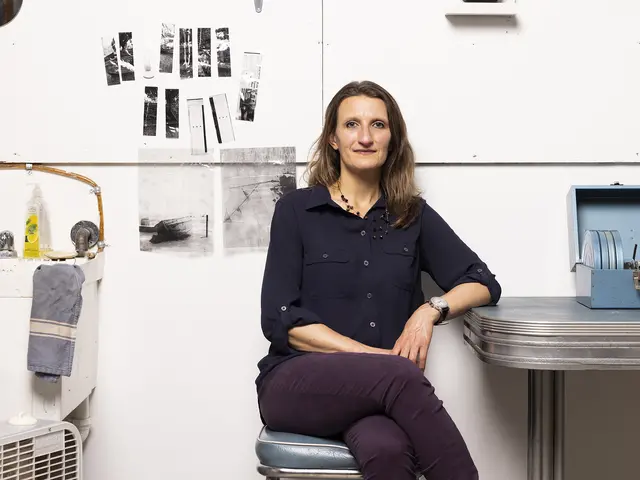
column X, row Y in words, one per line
column 604, row 229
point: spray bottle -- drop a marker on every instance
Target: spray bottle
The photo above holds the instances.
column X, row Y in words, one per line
column 32, row 225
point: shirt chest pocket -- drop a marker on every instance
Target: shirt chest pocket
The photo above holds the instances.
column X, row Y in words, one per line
column 328, row 273
column 400, row 264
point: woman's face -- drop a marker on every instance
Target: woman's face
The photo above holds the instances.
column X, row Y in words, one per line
column 362, row 133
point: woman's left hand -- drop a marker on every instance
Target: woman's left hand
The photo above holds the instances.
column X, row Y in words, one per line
column 414, row 341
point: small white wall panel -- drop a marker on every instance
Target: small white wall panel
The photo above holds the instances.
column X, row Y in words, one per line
column 558, row 82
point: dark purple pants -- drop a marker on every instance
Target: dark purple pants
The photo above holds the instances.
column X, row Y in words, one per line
column 383, row 407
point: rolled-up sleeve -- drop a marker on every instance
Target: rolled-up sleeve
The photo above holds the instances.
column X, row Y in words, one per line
column 448, row 260
column 280, row 302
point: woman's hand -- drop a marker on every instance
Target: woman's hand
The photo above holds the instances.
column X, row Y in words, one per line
column 414, row 341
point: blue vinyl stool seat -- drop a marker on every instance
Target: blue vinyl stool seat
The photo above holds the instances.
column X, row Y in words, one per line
column 289, row 455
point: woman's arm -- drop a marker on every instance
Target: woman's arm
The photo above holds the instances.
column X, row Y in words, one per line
column 451, row 263
column 320, row 338
column 465, row 279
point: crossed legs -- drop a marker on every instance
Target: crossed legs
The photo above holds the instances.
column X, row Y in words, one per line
column 382, row 405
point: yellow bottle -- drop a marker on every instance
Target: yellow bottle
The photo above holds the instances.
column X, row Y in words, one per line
column 32, row 226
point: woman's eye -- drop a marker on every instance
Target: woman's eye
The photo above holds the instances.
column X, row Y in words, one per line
column 379, row 124
column 351, row 124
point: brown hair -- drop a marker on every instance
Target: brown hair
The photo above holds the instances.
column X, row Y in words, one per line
column 397, row 179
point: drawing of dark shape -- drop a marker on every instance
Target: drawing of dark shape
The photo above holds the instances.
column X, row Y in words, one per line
column 170, row 230
column 249, row 82
column 204, row 52
column 186, row 53
column 127, row 68
column 110, row 56
column 166, row 47
column 150, row 117
column 286, row 183
column 224, row 52
column 175, row 204
column 172, row 112
column 253, row 180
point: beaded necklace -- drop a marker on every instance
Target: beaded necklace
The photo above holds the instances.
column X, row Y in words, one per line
column 377, row 230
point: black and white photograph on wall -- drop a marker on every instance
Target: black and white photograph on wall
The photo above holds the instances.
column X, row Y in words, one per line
column 150, row 116
column 224, row 52
column 167, row 36
column 127, row 65
column 195, row 111
column 110, row 56
column 175, row 207
column 249, row 83
column 222, row 118
column 204, row 52
column 172, row 112
column 253, row 180
column 186, row 53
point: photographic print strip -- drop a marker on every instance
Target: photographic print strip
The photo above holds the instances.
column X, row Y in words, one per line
column 175, row 208
column 253, row 180
column 127, row 65
column 195, row 108
column 249, row 83
column 224, row 52
column 222, row 118
column 167, row 36
column 186, row 53
column 172, row 112
column 150, row 116
column 204, row 52
column 110, row 56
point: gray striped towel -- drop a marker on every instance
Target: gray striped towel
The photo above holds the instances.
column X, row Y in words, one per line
column 56, row 306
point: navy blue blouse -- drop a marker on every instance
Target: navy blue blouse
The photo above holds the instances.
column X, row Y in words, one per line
column 326, row 265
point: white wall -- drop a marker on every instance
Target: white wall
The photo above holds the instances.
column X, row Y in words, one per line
column 180, row 338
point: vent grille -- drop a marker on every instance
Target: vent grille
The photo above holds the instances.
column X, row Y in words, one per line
column 20, row 461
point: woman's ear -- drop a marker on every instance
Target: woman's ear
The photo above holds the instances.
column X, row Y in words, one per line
column 333, row 142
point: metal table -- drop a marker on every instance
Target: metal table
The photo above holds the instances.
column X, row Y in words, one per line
column 546, row 336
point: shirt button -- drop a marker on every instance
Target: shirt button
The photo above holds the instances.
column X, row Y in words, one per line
column 325, row 255
column 373, row 324
column 363, row 233
column 366, row 263
column 369, row 295
column 405, row 249
column 283, row 308
column 479, row 270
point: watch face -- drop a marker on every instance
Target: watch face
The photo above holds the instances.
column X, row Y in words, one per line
column 440, row 302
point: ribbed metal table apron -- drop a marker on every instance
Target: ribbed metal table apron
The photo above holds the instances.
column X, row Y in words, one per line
column 546, row 336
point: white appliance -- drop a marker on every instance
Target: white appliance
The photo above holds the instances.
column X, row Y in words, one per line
column 48, row 450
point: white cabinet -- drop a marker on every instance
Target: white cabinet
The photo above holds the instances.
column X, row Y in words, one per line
column 20, row 389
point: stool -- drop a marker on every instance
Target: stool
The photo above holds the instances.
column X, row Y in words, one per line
column 288, row 455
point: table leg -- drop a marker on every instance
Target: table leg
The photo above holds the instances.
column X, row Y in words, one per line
column 546, row 425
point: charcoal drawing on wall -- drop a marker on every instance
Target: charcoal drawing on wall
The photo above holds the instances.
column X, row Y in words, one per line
column 186, row 53
column 150, row 115
column 167, row 36
column 204, row 52
column 172, row 112
column 249, row 84
column 176, row 209
column 253, row 179
column 127, row 64
column 110, row 56
column 224, row 52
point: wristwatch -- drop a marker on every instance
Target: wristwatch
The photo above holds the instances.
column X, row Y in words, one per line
column 442, row 306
